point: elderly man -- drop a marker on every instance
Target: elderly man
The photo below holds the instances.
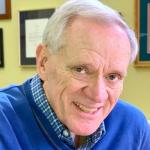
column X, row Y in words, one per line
column 72, row 102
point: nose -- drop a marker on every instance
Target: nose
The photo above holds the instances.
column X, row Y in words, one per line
column 97, row 90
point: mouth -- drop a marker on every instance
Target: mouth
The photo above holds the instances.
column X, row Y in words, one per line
column 86, row 109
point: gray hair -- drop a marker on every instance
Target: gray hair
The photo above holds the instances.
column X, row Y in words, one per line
column 54, row 32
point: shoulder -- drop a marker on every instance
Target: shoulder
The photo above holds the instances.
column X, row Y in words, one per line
column 9, row 93
column 12, row 96
column 15, row 115
column 128, row 110
column 128, row 126
column 14, row 103
column 127, row 114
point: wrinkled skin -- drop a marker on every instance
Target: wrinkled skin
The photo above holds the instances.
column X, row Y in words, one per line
column 84, row 79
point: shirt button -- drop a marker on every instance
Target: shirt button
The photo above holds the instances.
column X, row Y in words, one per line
column 65, row 133
column 101, row 132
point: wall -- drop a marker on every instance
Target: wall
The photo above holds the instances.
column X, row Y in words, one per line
column 137, row 84
column 13, row 72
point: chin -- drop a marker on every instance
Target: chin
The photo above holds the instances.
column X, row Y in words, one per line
column 84, row 130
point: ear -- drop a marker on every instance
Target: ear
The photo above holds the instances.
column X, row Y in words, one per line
column 41, row 60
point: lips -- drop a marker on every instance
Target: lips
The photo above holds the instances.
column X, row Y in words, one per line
column 85, row 108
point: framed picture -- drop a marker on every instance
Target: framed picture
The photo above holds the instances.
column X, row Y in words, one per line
column 143, row 32
column 32, row 24
column 5, row 9
column 1, row 49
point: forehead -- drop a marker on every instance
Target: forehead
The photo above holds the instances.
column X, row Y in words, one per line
column 89, row 39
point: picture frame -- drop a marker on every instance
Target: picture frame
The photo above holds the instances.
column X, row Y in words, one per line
column 5, row 9
column 1, row 49
column 32, row 24
column 143, row 32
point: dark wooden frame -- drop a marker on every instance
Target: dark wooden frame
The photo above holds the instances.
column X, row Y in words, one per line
column 23, row 16
column 1, row 49
column 143, row 32
column 7, row 14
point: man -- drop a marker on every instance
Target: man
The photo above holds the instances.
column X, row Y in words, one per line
column 72, row 103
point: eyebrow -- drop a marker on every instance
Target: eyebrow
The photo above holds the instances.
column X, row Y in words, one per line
column 123, row 73
column 81, row 64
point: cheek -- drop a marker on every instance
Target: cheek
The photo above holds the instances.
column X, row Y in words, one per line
column 76, row 85
column 118, row 89
column 53, row 87
column 118, row 92
column 114, row 94
column 60, row 88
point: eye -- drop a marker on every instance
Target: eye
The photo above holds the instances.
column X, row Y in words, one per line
column 80, row 69
column 113, row 77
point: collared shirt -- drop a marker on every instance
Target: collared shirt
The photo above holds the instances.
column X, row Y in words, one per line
column 60, row 129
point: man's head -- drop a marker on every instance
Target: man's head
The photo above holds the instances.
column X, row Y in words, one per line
column 84, row 66
column 54, row 34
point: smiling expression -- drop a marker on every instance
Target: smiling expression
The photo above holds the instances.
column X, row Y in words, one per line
column 84, row 79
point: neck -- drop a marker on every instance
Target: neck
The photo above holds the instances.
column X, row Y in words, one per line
column 78, row 140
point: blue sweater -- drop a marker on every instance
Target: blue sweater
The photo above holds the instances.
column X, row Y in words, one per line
column 24, row 127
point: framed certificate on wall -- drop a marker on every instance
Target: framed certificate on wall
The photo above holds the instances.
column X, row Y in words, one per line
column 143, row 32
column 32, row 24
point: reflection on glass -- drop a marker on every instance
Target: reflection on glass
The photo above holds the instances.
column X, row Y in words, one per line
column 2, row 7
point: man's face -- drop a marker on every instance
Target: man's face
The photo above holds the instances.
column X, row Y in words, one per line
column 85, row 78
